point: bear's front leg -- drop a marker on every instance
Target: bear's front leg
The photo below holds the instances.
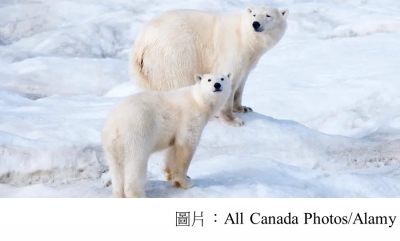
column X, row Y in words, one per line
column 169, row 161
column 226, row 113
column 237, row 100
column 180, row 166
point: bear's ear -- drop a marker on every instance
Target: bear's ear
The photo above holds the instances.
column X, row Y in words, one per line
column 284, row 12
column 198, row 78
column 248, row 9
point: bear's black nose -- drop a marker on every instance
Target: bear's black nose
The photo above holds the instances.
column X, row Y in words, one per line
column 217, row 86
column 256, row 25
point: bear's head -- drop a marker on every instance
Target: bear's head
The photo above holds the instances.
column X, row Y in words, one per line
column 214, row 86
column 266, row 19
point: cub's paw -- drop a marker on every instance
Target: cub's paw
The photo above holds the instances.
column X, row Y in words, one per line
column 118, row 194
column 135, row 194
column 185, row 183
column 242, row 109
column 168, row 174
column 236, row 121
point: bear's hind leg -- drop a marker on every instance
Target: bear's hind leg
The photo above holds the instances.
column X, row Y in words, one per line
column 116, row 171
column 117, row 180
column 135, row 176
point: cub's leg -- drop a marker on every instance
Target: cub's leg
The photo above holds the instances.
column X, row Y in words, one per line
column 117, row 180
column 183, row 157
column 169, row 161
column 136, row 173
column 116, row 170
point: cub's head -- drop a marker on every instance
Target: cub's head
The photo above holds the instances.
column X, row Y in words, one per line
column 214, row 85
column 264, row 19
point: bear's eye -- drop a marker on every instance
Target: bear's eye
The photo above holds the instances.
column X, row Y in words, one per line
column 254, row 15
column 222, row 79
column 209, row 80
column 268, row 16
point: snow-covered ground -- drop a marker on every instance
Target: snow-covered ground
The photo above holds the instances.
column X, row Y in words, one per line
column 326, row 102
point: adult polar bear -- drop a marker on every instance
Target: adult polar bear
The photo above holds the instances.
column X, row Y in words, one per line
column 178, row 44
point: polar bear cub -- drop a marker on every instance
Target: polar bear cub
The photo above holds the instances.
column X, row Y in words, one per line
column 153, row 121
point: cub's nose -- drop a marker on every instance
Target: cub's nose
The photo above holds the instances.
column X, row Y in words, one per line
column 256, row 25
column 217, row 86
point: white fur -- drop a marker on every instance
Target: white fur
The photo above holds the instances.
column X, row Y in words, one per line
column 152, row 121
column 174, row 46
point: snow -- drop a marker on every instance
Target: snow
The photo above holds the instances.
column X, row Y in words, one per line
column 326, row 120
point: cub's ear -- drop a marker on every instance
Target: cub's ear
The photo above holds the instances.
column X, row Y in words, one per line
column 284, row 12
column 248, row 9
column 198, row 78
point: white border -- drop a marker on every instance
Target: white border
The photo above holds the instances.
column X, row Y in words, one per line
column 154, row 219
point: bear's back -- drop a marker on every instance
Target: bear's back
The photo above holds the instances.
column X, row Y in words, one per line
column 186, row 19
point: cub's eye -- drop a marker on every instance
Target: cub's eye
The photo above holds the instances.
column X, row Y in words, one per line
column 222, row 79
column 254, row 15
column 209, row 80
column 268, row 16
